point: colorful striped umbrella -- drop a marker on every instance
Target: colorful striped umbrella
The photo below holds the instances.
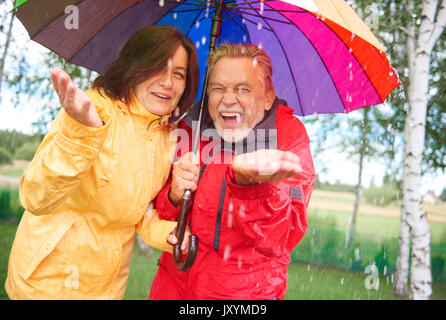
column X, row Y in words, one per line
column 325, row 59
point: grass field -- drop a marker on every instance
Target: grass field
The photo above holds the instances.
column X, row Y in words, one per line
column 304, row 281
column 327, row 209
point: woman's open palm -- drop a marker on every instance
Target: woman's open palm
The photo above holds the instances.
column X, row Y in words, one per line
column 75, row 102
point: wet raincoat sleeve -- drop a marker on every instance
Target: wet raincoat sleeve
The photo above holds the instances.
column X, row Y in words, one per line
column 166, row 209
column 154, row 231
column 273, row 216
column 63, row 158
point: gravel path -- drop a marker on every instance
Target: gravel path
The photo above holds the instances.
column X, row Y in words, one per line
column 9, row 181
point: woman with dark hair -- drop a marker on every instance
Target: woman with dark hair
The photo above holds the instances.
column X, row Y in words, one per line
column 104, row 159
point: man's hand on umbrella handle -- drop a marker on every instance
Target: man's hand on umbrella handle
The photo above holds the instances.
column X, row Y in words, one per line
column 265, row 166
column 185, row 175
column 172, row 239
column 75, row 102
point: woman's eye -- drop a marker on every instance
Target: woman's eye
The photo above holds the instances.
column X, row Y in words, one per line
column 180, row 75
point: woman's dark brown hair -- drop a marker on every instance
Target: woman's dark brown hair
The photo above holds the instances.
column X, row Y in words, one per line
column 145, row 54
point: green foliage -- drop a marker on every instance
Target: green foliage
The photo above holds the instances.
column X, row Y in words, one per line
column 10, row 208
column 381, row 196
column 13, row 140
column 27, row 151
column 443, row 195
column 437, row 265
column 337, row 186
column 5, row 156
column 382, row 259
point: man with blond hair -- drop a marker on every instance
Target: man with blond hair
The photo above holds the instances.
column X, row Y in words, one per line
column 252, row 179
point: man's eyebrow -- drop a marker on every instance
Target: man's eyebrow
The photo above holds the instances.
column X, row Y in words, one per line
column 243, row 83
column 180, row 67
column 213, row 83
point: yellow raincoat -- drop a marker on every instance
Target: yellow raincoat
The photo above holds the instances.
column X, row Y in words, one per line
column 85, row 194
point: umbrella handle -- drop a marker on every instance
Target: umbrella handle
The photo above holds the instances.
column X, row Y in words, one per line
column 181, row 264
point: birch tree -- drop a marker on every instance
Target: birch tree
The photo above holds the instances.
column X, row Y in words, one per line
column 421, row 39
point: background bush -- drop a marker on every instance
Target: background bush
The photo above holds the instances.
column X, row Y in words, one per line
column 381, row 196
column 27, row 150
column 10, row 207
column 5, row 156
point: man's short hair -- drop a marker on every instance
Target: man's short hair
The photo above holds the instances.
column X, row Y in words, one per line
column 249, row 50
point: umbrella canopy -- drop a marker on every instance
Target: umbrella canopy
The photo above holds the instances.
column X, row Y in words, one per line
column 325, row 59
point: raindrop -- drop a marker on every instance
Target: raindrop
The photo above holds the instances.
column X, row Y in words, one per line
column 357, row 257
column 254, row 62
column 161, row 3
column 176, row 113
column 311, row 278
column 243, row 21
column 308, row 268
column 353, row 37
column 351, row 75
column 350, row 50
column 203, row 40
column 350, row 65
column 261, row 7
column 385, row 270
column 169, row 63
column 227, row 252
column 260, row 45
column 230, row 220
column 390, row 73
column 175, row 16
column 259, row 26
column 241, row 211
column 197, row 24
column 244, row 38
column 197, row 44
column 342, row 281
column 239, row 262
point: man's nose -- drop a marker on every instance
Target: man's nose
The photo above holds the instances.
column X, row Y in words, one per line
column 229, row 97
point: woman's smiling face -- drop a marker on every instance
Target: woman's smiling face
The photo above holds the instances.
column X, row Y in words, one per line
column 161, row 93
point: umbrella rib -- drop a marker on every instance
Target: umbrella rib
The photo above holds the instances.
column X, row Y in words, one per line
column 262, row 17
column 195, row 20
column 237, row 23
column 249, row 20
column 185, row 10
column 251, row 2
column 273, row 10
column 289, row 66
column 356, row 59
column 185, row 3
column 322, row 60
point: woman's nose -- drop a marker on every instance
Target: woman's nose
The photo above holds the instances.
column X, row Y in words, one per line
column 166, row 79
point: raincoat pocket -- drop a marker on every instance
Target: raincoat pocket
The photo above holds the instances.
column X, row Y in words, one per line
column 46, row 248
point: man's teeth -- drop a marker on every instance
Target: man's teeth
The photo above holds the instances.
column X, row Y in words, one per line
column 230, row 114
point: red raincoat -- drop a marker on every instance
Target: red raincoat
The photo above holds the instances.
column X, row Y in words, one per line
column 246, row 233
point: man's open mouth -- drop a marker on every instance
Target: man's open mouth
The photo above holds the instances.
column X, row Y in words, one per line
column 231, row 119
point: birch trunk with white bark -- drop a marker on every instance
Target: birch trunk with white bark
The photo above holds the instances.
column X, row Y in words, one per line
column 419, row 48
